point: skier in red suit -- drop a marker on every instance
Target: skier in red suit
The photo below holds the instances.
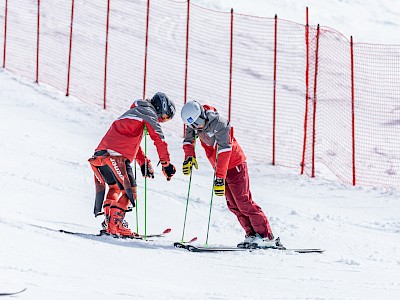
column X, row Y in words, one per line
column 118, row 148
column 231, row 175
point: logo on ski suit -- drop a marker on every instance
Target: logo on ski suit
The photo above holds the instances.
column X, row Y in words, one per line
column 114, row 163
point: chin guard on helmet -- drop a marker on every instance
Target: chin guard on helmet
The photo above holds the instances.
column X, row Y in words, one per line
column 165, row 108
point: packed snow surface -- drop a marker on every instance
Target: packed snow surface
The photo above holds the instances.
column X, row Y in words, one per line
column 47, row 185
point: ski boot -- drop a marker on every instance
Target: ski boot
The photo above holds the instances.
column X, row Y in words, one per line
column 248, row 240
column 260, row 242
column 117, row 226
column 106, row 208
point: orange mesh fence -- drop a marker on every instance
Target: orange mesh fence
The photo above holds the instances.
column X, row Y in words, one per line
column 377, row 114
column 54, row 42
column 21, row 43
column 209, row 57
column 2, row 30
column 126, row 45
column 88, row 50
column 331, row 125
column 166, row 54
column 252, row 84
column 305, row 97
column 290, row 93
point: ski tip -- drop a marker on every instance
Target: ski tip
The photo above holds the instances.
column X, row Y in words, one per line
column 23, row 290
column 168, row 230
column 193, row 240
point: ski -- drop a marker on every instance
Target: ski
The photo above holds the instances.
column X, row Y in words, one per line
column 12, row 293
column 192, row 248
column 136, row 237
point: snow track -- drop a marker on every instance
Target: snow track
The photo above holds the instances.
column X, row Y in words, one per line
column 47, row 185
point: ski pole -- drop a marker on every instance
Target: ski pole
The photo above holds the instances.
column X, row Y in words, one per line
column 145, row 184
column 137, row 216
column 188, row 195
column 212, row 194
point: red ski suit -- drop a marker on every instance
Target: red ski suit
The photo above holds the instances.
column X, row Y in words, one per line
column 125, row 134
column 217, row 135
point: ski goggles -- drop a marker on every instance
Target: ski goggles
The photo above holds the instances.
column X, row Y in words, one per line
column 164, row 118
column 197, row 123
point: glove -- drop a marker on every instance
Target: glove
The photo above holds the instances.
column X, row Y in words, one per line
column 147, row 171
column 187, row 165
column 168, row 170
column 219, row 187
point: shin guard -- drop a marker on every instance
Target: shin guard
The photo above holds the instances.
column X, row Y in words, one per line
column 117, row 165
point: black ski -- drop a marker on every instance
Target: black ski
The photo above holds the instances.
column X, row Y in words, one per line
column 136, row 237
column 12, row 293
column 192, row 248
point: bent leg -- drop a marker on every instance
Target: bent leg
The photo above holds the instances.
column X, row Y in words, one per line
column 122, row 171
column 114, row 190
column 243, row 219
column 96, row 162
column 238, row 181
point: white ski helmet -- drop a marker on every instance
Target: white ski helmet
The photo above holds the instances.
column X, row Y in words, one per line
column 193, row 114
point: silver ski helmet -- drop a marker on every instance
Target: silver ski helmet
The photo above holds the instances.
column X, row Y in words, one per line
column 163, row 106
column 193, row 114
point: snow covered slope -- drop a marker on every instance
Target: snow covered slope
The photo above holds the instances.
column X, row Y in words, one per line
column 46, row 185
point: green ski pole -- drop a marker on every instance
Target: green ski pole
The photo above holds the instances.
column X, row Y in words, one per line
column 188, row 195
column 136, row 205
column 212, row 195
column 145, row 184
